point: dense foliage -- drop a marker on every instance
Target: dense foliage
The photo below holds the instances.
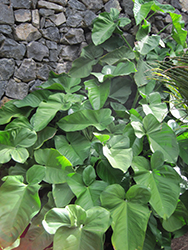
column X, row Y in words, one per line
column 88, row 161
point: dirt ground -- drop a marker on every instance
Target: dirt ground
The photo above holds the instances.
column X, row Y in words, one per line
column 180, row 243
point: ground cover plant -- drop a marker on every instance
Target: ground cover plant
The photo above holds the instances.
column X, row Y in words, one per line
column 88, row 161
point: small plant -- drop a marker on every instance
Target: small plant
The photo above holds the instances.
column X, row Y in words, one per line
column 85, row 159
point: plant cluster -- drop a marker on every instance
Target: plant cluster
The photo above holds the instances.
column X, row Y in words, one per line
column 93, row 152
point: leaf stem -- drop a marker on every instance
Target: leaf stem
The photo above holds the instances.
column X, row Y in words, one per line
column 127, row 43
column 163, row 28
column 135, row 99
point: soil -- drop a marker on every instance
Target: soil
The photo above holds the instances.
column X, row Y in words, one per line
column 180, row 243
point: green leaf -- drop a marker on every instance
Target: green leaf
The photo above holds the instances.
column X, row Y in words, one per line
column 118, row 55
column 154, row 106
column 77, row 229
column 109, row 174
column 42, row 136
column 33, row 99
column 13, row 144
column 143, row 30
column 19, row 203
column 62, row 82
column 102, row 137
column 47, row 110
column 123, row 21
column 147, row 44
column 183, row 146
column 89, row 175
column 141, row 10
column 82, row 66
column 161, row 180
column 87, row 195
column 56, row 165
column 120, row 89
column 143, row 74
column 135, row 143
column 74, row 147
column 9, row 110
column 123, row 68
column 178, row 33
column 177, row 220
column 62, row 194
column 85, row 118
column 97, row 94
column 104, row 26
column 18, row 123
column 36, row 238
column 118, row 152
column 157, row 6
column 129, row 213
column 162, row 138
column 35, row 174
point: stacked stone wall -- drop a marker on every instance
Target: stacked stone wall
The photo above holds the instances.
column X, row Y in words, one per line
column 37, row 36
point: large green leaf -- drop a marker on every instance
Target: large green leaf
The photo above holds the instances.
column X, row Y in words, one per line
column 62, row 194
column 35, row 174
column 122, row 69
column 47, row 110
column 104, row 26
column 143, row 74
column 118, row 152
column 74, row 147
column 36, row 237
column 62, row 82
column 109, row 174
column 97, row 93
column 161, row 179
column 121, row 89
column 183, row 146
column 85, row 118
column 118, row 55
column 9, row 110
column 57, row 167
column 162, row 138
column 19, row 203
column 147, row 44
column 178, row 32
column 129, row 213
column 141, row 10
column 86, row 188
column 177, row 220
column 77, row 229
column 33, row 99
column 13, row 144
column 82, row 66
column 152, row 105
column 42, row 136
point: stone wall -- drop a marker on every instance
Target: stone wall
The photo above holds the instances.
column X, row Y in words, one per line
column 37, row 36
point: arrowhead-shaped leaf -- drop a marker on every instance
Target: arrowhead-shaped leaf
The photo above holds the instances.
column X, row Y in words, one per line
column 97, row 93
column 85, row 118
column 77, row 229
column 129, row 213
column 13, row 144
column 56, row 165
column 74, row 147
column 161, row 180
column 82, row 66
column 62, row 82
column 19, row 203
column 48, row 109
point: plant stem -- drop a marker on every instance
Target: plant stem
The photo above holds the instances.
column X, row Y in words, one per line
column 151, row 15
column 127, row 43
column 163, row 29
column 135, row 99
